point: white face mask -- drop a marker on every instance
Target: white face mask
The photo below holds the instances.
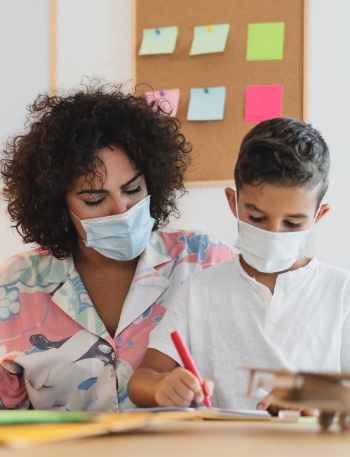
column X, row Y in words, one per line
column 122, row 236
column 270, row 252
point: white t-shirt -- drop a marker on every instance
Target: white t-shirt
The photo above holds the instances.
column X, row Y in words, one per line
column 228, row 320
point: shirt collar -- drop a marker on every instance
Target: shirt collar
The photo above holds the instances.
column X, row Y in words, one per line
column 148, row 283
column 282, row 276
column 147, row 286
column 60, row 270
column 156, row 252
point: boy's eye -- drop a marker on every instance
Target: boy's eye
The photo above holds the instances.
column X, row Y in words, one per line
column 291, row 225
column 256, row 220
column 95, row 202
column 134, row 191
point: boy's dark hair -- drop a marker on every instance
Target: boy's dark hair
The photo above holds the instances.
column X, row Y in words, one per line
column 284, row 152
column 65, row 134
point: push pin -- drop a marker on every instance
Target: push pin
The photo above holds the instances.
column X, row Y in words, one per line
column 162, row 93
column 206, row 90
column 210, row 28
column 157, row 31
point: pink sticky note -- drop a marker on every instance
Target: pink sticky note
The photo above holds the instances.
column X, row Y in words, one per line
column 263, row 102
column 166, row 96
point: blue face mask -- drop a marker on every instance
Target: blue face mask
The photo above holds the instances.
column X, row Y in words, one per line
column 123, row 236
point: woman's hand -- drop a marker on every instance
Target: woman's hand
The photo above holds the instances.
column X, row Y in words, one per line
column 180, row 387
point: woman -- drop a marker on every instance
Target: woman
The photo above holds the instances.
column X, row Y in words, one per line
column 91, row 183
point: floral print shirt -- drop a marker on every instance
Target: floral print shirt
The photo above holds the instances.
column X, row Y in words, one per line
column 55, row 352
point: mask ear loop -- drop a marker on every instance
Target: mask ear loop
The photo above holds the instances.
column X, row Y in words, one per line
column 313, row 221
column 79, row 221
column 236, row 200
column 315, row 217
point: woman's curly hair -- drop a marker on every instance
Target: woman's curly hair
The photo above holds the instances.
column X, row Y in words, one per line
column 65, row 134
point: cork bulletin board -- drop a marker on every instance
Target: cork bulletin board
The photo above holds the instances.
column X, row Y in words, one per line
column 216, row 143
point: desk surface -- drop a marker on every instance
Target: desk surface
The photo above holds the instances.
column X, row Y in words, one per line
column 205, row 438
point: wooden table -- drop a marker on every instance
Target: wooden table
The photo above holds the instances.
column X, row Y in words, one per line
column 205, row 438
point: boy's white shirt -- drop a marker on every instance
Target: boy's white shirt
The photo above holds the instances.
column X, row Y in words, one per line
column 229, row 320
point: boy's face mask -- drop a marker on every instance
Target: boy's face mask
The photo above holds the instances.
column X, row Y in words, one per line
column 270, row 252
column 122, row 236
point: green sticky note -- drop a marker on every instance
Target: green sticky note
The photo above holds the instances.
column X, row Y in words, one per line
column 209, row 38
column 265, row 41
column 42, row 417
column 158, row 41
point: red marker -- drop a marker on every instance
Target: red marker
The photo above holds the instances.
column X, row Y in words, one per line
column 188, row 362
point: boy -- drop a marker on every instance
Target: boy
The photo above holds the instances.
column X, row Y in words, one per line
column 269, row 307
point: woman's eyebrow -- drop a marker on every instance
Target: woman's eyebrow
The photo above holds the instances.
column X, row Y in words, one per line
column 105, row 191
column 93, row 191
column 131, row 180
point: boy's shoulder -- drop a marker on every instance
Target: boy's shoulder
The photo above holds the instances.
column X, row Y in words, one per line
column 333, row 273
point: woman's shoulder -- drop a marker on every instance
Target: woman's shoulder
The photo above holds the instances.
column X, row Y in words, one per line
column 30, row 267
column 198, row 246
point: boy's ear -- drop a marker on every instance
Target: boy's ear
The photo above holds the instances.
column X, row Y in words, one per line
column 231, row 198
column 322, row 212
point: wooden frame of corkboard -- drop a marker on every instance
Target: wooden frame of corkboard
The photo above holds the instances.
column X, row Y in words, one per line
column 216, row 143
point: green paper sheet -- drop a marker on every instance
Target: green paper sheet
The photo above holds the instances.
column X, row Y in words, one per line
column 41, row 417
column 158, row 41
column 265, row 41
column 209, row 38
column 308, row 420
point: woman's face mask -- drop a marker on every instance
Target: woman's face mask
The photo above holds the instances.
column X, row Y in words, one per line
column 270, row 252
column 122, row 236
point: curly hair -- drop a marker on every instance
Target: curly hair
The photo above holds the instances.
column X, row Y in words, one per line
column 64, row 136
column 285, row 152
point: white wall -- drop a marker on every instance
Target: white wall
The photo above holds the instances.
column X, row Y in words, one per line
column 94, row 39
column 24, row 59
column 329, row 102
column 24, row 63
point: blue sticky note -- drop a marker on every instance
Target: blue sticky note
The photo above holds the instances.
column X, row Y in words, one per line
column 158, row 41
column 207, row 104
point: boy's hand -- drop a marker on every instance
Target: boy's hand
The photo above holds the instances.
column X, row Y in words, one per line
column 267, row 404
column 180, row 387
